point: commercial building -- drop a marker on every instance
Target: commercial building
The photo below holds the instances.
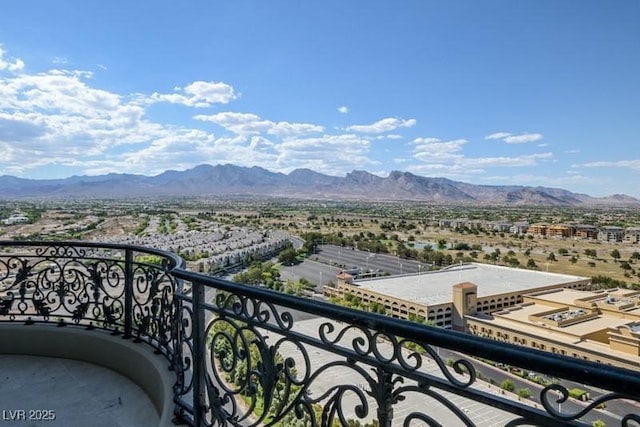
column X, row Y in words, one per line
column 444, row 297
column 546, row 311
column 600, row 326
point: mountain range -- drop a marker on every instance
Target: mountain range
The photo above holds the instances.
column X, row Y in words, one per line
column 230, row 180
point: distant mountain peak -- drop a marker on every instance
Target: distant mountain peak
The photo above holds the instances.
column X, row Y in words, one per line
column 227, row 179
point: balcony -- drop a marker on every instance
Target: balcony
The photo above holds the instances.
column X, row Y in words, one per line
column 206, row 351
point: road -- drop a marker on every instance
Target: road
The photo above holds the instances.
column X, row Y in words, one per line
column 610, row 416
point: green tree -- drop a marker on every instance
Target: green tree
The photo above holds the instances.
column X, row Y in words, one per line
column 625, row 265
column 260, row 273
column 551, row 256
column 462, row 247
column 287, row 256
column 615, row 254
column 531, row 263
column 607, row 282
column 442, row 243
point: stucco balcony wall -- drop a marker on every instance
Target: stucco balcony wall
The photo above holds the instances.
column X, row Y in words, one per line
column 135, row 361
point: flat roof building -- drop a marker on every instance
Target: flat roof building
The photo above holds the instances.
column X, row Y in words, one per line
column 430, row 295
column 601, row 326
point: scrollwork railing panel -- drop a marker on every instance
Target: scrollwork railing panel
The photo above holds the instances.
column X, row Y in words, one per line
column 280, row 367
column 90, row 285
column 248, row 356
column 261, row 373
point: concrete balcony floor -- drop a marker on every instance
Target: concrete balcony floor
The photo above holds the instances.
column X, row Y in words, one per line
column 78, row 393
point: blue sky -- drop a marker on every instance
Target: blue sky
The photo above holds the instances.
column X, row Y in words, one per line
column 489, row 92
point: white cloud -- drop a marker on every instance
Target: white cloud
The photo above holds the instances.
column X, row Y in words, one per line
column 451, row 171
column 435, row 150
column 383, row 125
column 238, row 123
column 251, row 124
column 571, row 151
column 348, row 143
column 498, row 135
column 422, row 140
column 332, row 154
column 286, row 129
column 7, row 64
column 446, row 158
column 510, row 138
column 62, row 118
column 57, row 118
column 57, row 91
column 343, row 109
column 199, row 94
column 522, row 139
column 628, row 164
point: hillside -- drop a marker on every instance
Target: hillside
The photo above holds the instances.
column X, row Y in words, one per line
column 229, row 180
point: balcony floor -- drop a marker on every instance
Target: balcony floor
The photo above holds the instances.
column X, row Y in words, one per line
column 78, row 393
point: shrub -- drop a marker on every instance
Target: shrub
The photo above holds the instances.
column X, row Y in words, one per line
column 508, row 385
column 524, row 393
column 578, row 393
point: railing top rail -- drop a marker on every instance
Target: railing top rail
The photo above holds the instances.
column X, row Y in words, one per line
column 175, row 261
column 585, row 372
column 158, row 315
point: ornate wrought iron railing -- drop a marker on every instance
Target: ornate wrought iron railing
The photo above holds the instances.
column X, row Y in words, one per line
column 124, row 289
column 248, row 356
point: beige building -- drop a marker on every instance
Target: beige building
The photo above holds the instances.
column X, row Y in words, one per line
column 632, row 235
column 601, row 326
column 538, row 229
column 559, row 230
column 585, row 231
column 444, row 297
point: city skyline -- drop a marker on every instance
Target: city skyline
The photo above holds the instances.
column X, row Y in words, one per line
column 496, row 93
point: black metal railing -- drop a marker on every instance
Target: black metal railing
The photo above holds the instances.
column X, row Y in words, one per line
column 244, row 355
